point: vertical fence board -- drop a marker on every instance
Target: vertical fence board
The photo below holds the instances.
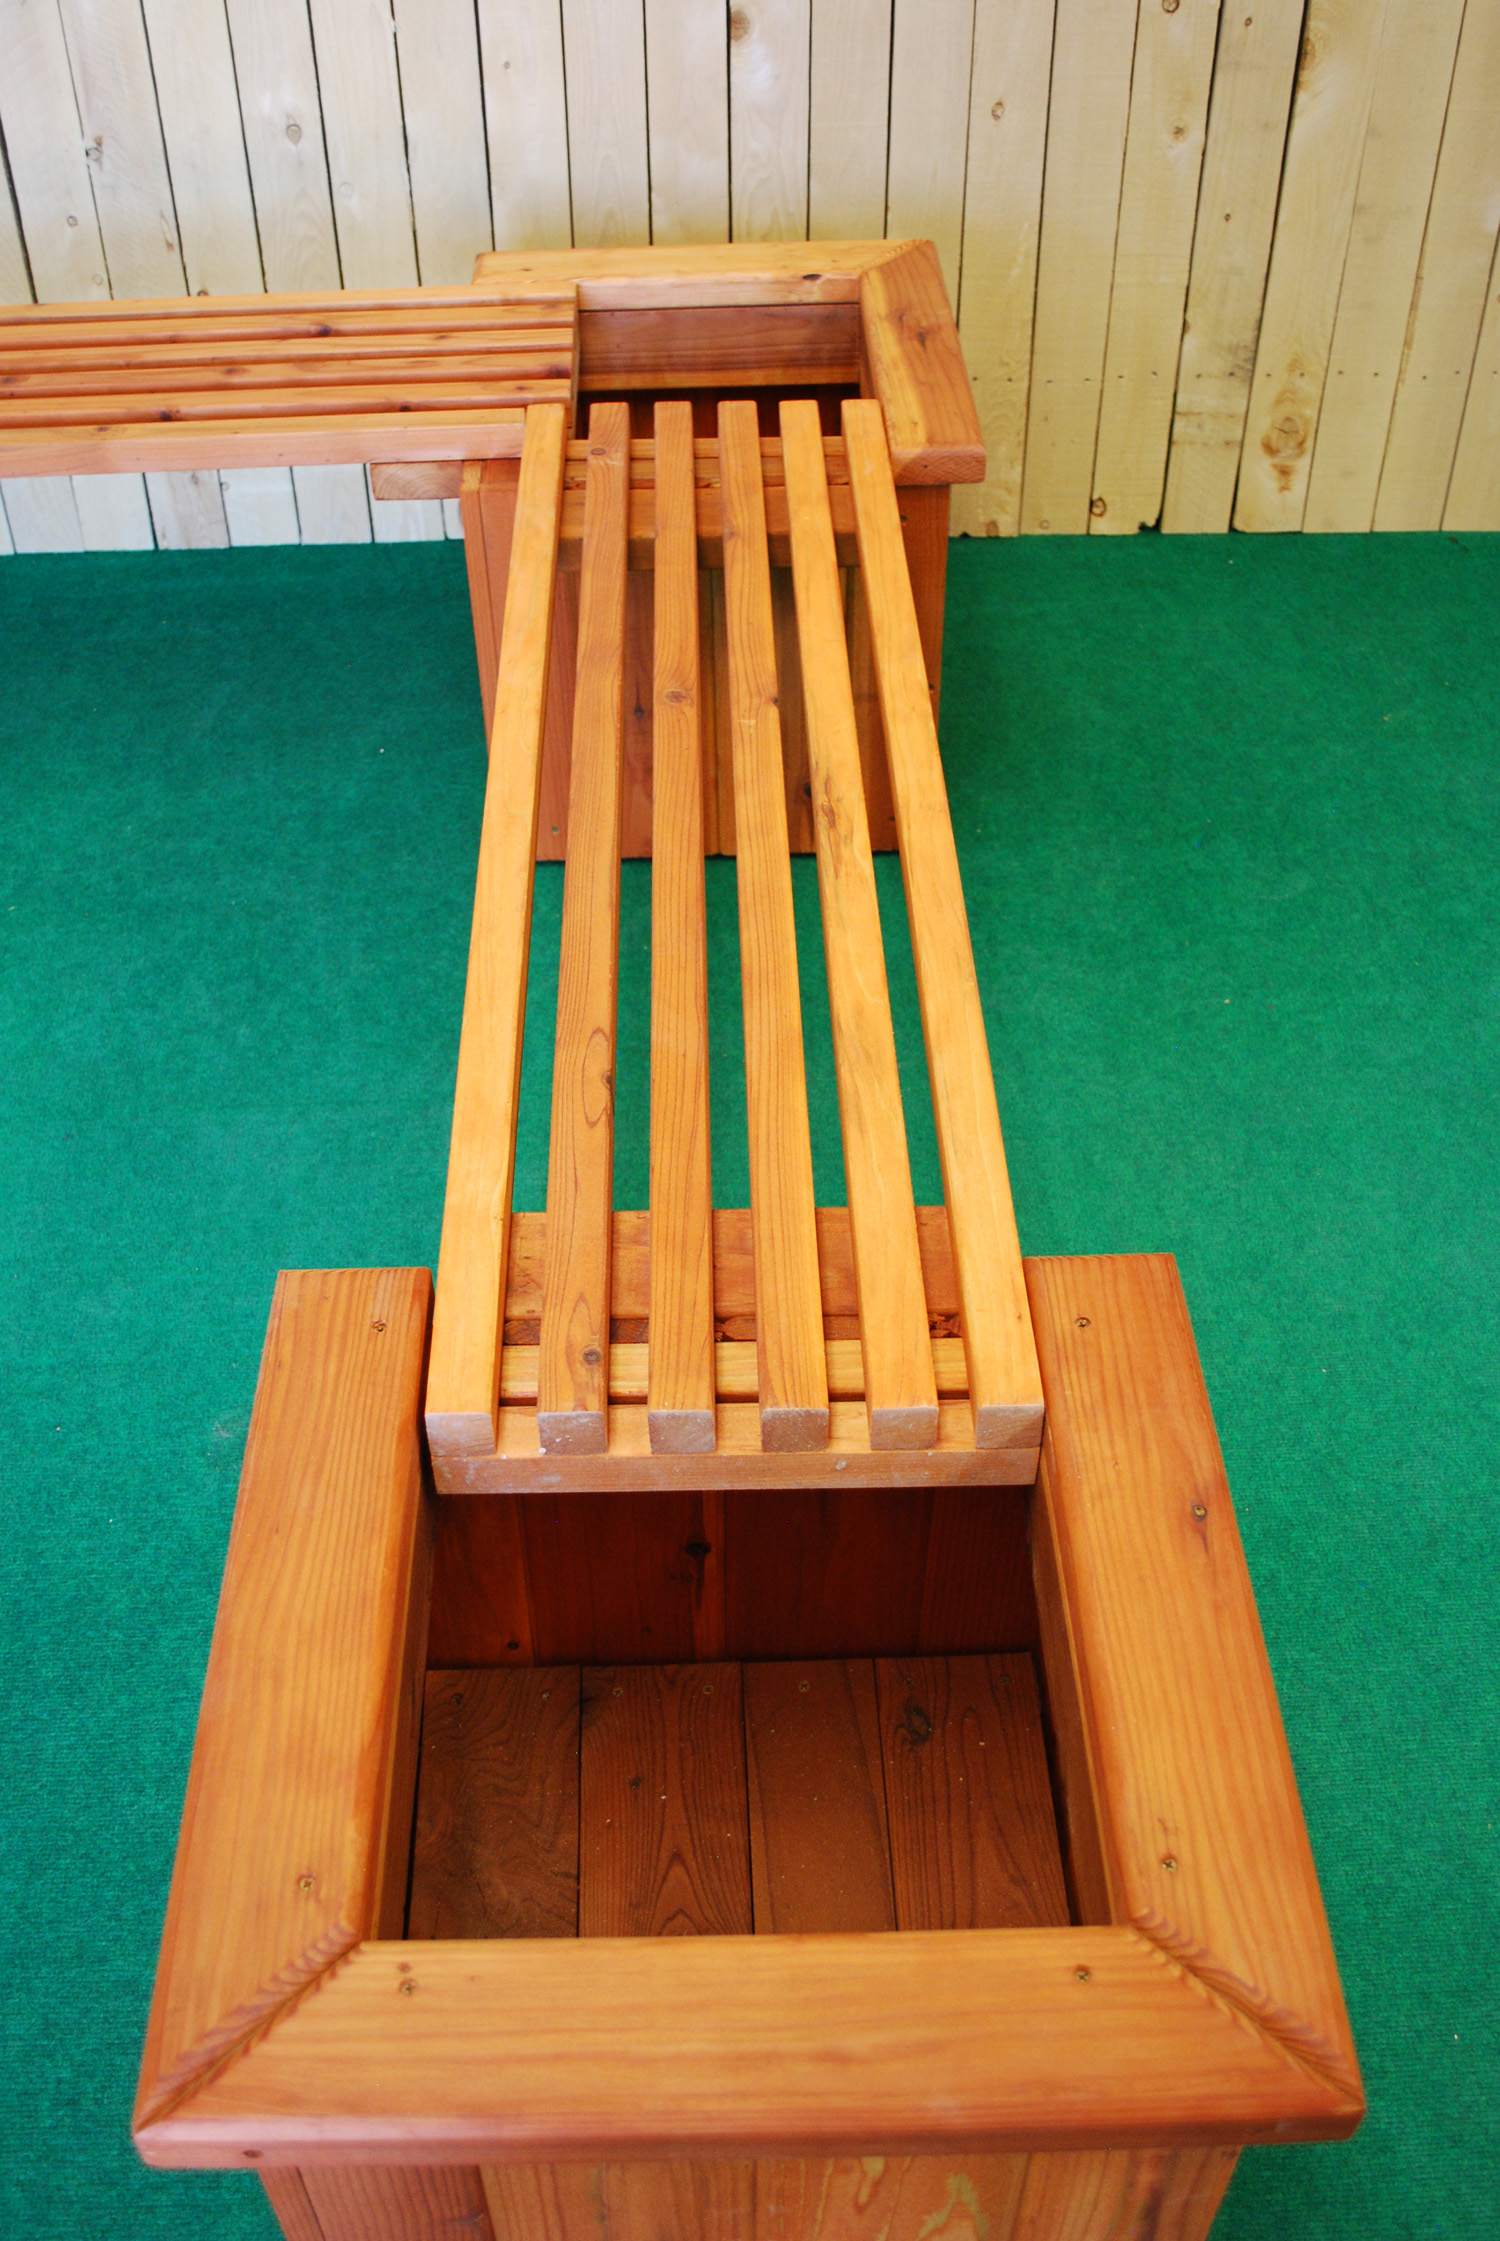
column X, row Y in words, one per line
column 1174, row 58
column 193, row 68
column 1380, row 271
column 41, row 513
column 1091, row 58
column 283, row 128
column 122, row 138
column 606, row 71
column 1335, row 83
column 526, row 118
column 1474, row 495
column 1241, row 178
column 44, row 145
column 113, row 515
column 687, row 71
column 932, row 55
column 355, row 45
column 848, row 130
column 1452, row 279
column 769, row 64
column 438, row 47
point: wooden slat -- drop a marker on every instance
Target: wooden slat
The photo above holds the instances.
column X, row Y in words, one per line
column 573, row 1373
column 932, row 54
column 464, row 1377
column 289, row 1853
column 1376, row 292
column 687, row 59
column 664, row 1846
column 182, row 449
column 819, row 1847
column 973, row 1839
column 735, row 1374
column 1169, row 84
column 1452, row 286
column 1247, row 120
column 1091, row 58
column 793, row 1380
column 898, row 1373
column 1004, row 1383
column 1335, row 81
column 1002, row 227
column 681, row 1402
column 495, row 1853
column 768, row 95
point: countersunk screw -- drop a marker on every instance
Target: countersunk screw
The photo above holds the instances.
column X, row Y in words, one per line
column 1082, row 1322
column 1170, row 1864
column 409, row 1984
column 305, row 1882
column 377, row 1324
column 1200, row 1509
column 1083, row 1975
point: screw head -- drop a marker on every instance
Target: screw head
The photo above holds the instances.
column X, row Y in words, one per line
column 1200, row 1509
column 1081, row 1321
column 377, row 1324
column 1170, row 1864
column 1083, row 1975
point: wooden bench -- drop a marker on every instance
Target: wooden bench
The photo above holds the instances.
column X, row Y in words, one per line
column 821, row 1582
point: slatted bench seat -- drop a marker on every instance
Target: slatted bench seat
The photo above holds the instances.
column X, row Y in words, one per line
column 573, row 1410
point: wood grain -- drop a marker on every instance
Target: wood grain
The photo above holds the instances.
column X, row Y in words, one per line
column 899, row 1386
column 573, row 1370
column 1170, row 2194
column 819, row 1847
column 464, row 1377
column 619, row 1580
column 793, row 1376
column 374, row 2202
column 664, row 1841
column 282, row 1861
column 496, row 1845
column 681, row 1396
column 916, row 369
column 481, row 1608
column 1004, row 1384
column 973, row 1840
column 890, row 2198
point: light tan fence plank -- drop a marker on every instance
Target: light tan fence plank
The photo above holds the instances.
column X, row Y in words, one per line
column 283, row 127
column 113, row 514
column 187, row 510
column 1002, row 223
column 1335, row 83
column 900, row 1391
column 1092, row 47
column 117, row 110
column 789, row 1307
column 355, row 42
column 932, row 53
column 1004, row 1383
column 1380, row 271
column 41, row 513
column 606, row 76
column 443, row 110
column 681, row 1393
column 848, row 120
column 1474, row 493
column 193, row 71
column 687, row 70
column 768, row 97
column 1452, row 281
column 1241, row 178
column 1174, row 56
column 573, row 1365
column 526, row 119
column 464, row 1377
column 44, row 147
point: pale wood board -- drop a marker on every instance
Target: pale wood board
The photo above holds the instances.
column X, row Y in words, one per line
column 1091, row 54
column 1004, row 1384
column 442, row 109
column 333, row 505
column 681, row 1398
column 607, row 159
column 7, row 542
column 405, row 521
column 932, row 53
column 526, row 120
column 355, row 43
column 1451, row 288
column 793, row 1377
column 900, row 1392
column 42, row 514
column 1407, row 114
column 848, row 112
column 260, row 506
column 192, row 69
column 282, row 121
column 187, row 510
column 687, row 70
column 1169, row 85
column 464, row 1375
column 1474, row 492
column 768, row 120
column 573, row 1364
column 111, row 70
column 1241, row 179
column 1002, row 226
column 48, row 169
column 1330, row 113
column 113, row 515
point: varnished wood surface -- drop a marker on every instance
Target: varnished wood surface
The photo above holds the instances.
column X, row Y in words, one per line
column 464, row 1377
column 973, row 1840
column 282, row 1858
column 496, row 1846
column 917, row 372
column 663, row 1811
column 573, row 1370
column 819, row 1845
column 375, row 2202
column 681, row 1395
column 793, row 1376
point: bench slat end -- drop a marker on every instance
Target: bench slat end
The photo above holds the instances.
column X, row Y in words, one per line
column 681, row 1431
column 573, row 1431
column 1008, row 1424
column 904, row 1427
column 793, row 1431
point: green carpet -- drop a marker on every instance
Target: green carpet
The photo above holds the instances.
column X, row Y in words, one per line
column 1229, row 819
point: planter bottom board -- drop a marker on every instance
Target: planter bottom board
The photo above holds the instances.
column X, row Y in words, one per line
column 799, row 1797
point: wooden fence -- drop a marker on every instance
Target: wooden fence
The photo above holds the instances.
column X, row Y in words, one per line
column 1214, row 260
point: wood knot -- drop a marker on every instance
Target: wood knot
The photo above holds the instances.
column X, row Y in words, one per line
column 916, row 1726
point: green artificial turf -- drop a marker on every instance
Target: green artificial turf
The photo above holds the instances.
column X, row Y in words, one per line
column 1230, row 830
